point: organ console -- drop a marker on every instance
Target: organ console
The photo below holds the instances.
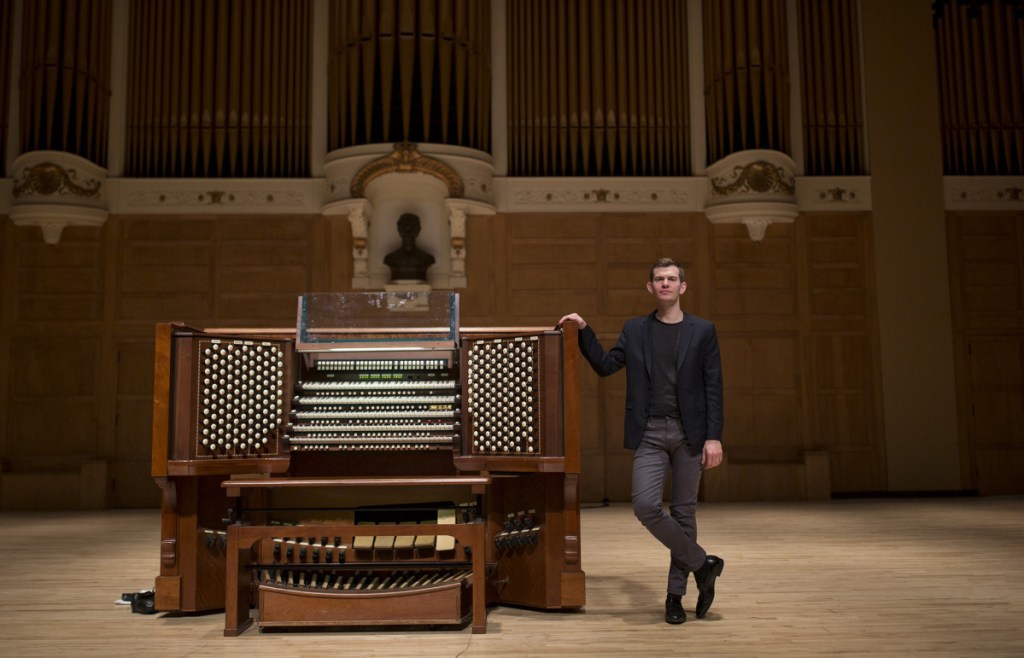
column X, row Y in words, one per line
column 378, row 465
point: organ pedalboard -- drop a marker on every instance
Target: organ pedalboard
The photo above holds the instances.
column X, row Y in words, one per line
column 377, row 465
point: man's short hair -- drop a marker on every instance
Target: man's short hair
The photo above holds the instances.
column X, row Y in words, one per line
column 666, row 262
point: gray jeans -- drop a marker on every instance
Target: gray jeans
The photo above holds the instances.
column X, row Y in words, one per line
column 664, row 446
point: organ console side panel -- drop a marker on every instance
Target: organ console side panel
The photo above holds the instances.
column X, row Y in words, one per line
column 187, row 388
column 571, row 400
column 292, row 464
column 534, row 516
column 162, row 381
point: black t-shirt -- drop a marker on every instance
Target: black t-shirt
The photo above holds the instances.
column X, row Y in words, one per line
column 665, row 344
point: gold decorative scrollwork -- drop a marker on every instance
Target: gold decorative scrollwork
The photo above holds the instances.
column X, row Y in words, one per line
column 1010, row 194
column 760, row 177
column 837, row 194
column 405, row 159
column 49, row 179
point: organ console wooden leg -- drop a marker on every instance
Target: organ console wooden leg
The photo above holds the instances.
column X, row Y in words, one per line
column 479, row 591
column 236, row 605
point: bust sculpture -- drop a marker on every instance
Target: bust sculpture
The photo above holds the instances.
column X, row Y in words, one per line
column 408, row 262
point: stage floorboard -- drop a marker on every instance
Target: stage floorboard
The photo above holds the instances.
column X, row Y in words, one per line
column 937, row 577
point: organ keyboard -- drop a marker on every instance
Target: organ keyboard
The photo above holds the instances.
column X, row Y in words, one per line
column 374, row 466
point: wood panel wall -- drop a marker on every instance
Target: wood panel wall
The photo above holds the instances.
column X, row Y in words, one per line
column 797, row 324
column 795, row 314
column 986, row 255
column 76, row 338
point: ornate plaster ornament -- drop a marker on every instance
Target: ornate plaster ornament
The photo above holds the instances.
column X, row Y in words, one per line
column 51, row 179
column 406, row 158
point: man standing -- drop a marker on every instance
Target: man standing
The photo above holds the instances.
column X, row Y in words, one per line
column 674, row 419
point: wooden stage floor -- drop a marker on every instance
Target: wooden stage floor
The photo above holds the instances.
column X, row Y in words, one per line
column 892, row 577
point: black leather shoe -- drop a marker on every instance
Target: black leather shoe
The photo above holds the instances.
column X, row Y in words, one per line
column 705, row 578
column 143, row 603
column 674, row 613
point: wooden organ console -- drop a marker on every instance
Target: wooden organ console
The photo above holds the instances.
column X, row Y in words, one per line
column 376, row 466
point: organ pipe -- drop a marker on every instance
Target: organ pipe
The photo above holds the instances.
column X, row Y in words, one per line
column 65, row 77
column 597, row 88
column 219, row 89
column 746, row 76
column 980, row 54
column 833, row 122
column 406, row 70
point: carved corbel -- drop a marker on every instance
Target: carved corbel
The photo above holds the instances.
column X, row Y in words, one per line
column 53, row 190
column 358, row 212
column 755, row 188
column 457, row 239
column 360, row 222
column 459, row 211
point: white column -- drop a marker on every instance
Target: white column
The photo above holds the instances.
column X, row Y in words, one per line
column 13, row 115
column 796, row 114
column 318, row 88
column 698, row 120
column 865, row 142
column 499, row 89
column 117, row 129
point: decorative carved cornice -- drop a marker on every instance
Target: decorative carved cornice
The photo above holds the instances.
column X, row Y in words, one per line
column 550, row 193
column 984, row 193
column 156, row 197
column 759, row 177
column 833, row 193
column 1007, row 195
column 49, row 179
column 406, row 159
column 837, row 195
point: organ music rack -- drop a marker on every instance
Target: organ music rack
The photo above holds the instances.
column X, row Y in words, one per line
column 276, row 448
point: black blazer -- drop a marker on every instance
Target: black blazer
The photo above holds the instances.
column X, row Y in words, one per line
column 698, row 379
